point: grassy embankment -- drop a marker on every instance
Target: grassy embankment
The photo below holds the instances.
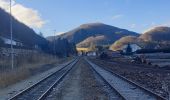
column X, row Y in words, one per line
column 26, row 66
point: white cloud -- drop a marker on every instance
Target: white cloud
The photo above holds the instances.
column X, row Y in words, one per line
column 4, row 4
column 162, row 24
column 117, row 16
column 28, row 16
column 153, row 24
column 166, row 24
column 133, row 25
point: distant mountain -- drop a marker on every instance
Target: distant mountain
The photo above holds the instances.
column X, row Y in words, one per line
column 20, row 31
column 157, row 37
column 97, row 33
column 157, row 34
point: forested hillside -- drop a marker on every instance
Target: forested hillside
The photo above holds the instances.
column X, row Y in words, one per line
column 20, row 31
column 30, row 39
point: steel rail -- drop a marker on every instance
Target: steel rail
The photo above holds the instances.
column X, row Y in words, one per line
column 158, row 97
column 73, row 62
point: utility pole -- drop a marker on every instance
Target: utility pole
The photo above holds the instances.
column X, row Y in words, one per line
column 11, row 32
column 54, row 43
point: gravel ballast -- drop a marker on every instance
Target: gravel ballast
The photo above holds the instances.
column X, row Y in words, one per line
column 79, row 84
column 156, row 80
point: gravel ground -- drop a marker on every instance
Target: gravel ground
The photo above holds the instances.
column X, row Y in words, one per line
column 129, row 91
column 156, row 80
column 79, row 84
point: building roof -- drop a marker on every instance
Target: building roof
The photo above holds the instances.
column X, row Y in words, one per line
column 8, row 37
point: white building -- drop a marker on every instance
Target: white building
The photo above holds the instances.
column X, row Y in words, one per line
column 92, row 53
column 14, row 41
column 134, row 47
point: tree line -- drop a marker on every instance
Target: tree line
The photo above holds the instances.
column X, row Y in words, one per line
column 61, row 48
column 31, row 40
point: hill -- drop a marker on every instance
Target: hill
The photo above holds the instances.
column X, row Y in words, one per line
column 157, row 37
column 98, row 40
column 98, row 33
column 157, row 34
column 21, row 32
column 123, row 41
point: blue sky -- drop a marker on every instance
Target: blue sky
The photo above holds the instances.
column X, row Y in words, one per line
column 134, row 15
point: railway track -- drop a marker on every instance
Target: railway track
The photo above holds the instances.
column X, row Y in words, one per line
column 41, row 89
column 126, row 89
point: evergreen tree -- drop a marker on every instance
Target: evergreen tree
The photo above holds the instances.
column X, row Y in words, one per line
column 129, row 49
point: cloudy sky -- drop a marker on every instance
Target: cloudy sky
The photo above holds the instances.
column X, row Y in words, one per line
column 64, row 15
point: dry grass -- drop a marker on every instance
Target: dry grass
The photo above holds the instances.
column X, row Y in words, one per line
column 24, row 65
column 11, row 77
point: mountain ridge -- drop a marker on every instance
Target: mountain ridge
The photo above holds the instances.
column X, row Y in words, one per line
column 88, row 30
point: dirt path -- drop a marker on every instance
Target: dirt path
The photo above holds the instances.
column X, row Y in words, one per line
column 80, row 84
